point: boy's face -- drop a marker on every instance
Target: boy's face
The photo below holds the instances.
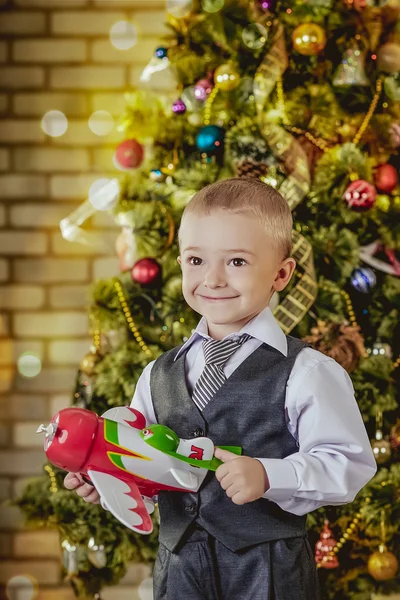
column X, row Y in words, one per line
column 230, row 269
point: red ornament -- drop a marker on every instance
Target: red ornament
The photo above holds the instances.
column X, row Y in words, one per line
column 129, row 154
column 323, row 547
column 146, row 271
column 386, row 178
column 360, row 195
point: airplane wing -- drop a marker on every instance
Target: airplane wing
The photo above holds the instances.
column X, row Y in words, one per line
column 126, row 415
column 123, row 500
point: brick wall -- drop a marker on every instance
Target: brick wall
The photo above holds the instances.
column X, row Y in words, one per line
column 54, row 55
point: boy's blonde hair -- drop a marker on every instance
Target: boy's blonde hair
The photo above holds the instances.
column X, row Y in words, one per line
column 251, row 196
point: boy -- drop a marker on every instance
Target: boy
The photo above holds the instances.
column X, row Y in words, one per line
column 239, row 380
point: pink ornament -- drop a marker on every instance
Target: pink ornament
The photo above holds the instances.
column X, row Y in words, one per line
column 360, row 195
column 179, row 107
column 129, row 154
column 386, row 178
column 203, row 89
column 146, row 271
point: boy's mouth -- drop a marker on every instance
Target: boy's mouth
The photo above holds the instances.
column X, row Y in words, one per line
column 216, row 299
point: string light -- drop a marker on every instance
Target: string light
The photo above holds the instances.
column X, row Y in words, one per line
column 208, row 106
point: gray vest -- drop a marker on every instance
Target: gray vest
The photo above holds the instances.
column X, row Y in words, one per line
column 247, row 411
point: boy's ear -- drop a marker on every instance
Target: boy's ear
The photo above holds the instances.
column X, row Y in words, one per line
column 284, row 274
column 179, row 260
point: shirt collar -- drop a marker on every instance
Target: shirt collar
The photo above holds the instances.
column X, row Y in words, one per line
column 263, row 327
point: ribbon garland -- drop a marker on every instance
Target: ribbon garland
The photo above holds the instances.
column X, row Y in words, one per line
column 294, row 188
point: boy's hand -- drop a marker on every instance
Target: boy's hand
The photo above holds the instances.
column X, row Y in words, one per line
column 74, row 481
column 243, row 478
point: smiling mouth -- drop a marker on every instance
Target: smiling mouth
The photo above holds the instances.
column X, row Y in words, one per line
column 216, row 299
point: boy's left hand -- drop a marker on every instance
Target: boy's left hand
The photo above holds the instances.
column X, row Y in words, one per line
column 243, row 478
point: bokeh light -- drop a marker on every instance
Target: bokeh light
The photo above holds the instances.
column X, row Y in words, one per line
column 123, row 35
column 101, row 122
column 54, row 123
column 179, row 8
column 212, row 6
column 22, row 587
column 29, row 364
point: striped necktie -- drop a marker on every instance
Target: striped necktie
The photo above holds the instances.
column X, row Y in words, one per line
column 216, row 353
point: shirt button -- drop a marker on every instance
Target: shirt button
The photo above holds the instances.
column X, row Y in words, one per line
column 198, row 432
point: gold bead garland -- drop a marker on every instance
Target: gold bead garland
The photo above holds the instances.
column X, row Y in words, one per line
column 350, row 310
column 208, row 106
column 344, row 538
column 129, row 318
column 370, row 112
column 53, row 480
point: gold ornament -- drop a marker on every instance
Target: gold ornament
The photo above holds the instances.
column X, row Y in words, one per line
column 383, row 202
column 226, row 77
column 381, row 448
column 382, row 565
column 396, row 202
column 88, row 363
column 309, row 39
column 389, row 58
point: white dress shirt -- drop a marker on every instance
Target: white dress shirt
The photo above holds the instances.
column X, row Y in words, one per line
column 334, row 459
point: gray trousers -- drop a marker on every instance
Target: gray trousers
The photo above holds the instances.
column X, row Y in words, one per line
column 204, row 569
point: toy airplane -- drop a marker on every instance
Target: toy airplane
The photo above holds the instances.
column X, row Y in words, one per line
column 127, row 462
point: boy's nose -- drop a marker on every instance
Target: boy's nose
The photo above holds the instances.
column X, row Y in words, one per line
column 214, row 278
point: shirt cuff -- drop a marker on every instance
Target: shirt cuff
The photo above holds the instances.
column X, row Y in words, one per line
column 282, row 478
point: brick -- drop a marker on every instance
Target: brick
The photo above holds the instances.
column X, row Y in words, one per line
column 71, row 186
column 3, row 52
column 134, row 4
column 114, row 103
column 84, row 23
column 19, row 484
column 5, row 488
column 35, row 544
column 22, row 186
column 49, row 380
column 49, row 51
column 21, row 131
column 58, row 402
column 105, row 267
column 21, row 296
column 11, row 518
column 4, row 159
column 52, row 3
column 11, row 350
column 4, row 270
column 2, row 218
column 49, row 325
column 6, row 379
column 69, row 296
column 64, row 247
column 102, row 51
column 21, row 77
column 66, row 352
column 51, row 159
column 78, row 133
column 35, row 104
column 4, row 325
column 40, row 215
column 20, row 407
column 51, row 270
column 3, row 103
column 19, row 22
column 65, row 78
column 13, row 243
column 5, row 545
column 25, row 436
column 124, row 593
column 45, row 572
column 61, row 593
column 5, row 439
column 22, row 462
column 103, row 158
column 151, row 22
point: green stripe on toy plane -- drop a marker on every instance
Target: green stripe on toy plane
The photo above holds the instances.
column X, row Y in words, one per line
column 211, row 465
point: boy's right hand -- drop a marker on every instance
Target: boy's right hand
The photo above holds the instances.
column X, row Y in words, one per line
column 74, row 481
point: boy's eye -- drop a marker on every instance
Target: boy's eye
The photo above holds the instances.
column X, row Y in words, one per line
column 238, row 262
column 194, row 260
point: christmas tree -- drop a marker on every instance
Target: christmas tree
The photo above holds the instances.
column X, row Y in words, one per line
column 305, row 96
